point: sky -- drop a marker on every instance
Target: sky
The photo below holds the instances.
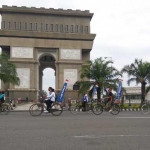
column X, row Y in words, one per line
column 122, row 29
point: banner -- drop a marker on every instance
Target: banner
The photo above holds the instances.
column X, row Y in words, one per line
column 94, row 91
column 119, row 90
column 62, row 92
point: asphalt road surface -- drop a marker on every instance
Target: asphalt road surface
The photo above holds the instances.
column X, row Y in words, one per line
column 126, row 131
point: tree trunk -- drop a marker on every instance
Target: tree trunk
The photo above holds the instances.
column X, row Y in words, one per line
column 143, row 92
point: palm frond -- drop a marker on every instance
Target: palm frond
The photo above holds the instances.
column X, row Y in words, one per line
column 131, row 80
column 8, row 72
column 84, row 86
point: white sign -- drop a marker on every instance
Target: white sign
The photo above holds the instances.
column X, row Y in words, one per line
column 24, row 75
column 22, row 52
column 70, row 54
column 71, row 75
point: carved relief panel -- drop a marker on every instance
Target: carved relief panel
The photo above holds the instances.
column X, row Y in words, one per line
column 73, row 54
column 22, row 52
column 71, row 75
column 24, row 75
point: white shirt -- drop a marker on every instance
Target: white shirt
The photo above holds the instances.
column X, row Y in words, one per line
column 85, row 98
column 51, row 96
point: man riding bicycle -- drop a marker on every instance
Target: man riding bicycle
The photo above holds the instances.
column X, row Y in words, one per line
column 84, row 101
column 109, row 98
column 2, row 98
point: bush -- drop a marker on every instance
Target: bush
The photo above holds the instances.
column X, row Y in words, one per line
column 136, row 106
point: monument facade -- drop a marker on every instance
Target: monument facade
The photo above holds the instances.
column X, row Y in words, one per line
column 38, row 38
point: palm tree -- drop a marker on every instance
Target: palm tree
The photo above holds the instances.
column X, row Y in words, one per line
column 138, row 72
column 8, row 73
column 98, row 72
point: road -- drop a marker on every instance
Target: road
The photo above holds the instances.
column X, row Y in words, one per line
column 126, row 131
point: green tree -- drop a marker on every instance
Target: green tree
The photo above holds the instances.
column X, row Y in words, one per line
column 99, row 72
column 139, row 72
column 8, row 73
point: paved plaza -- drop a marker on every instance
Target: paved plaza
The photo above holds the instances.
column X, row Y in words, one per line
column 126, row 131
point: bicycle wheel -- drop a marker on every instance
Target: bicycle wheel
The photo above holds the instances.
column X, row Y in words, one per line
column 56, row 109
column 36, row 109
column 88, row 108
column 97, row 109
column 5, row 109
column 75, row 109
column 145, row 109
column 30, row 109
column 115, row 109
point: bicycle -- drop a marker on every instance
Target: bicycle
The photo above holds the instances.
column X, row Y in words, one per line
column 145, row 108
column 90, row 107
column 38, row 108
column 4, row 108
column 115, row 108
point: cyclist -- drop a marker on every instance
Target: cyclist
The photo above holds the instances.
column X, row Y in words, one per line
column 84, row 101
column 109, row 98
column 50, row 99
column 2, row 97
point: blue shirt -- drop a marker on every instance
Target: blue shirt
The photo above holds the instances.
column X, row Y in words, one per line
column 1, row 96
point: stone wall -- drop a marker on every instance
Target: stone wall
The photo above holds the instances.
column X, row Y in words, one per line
column 45, row 20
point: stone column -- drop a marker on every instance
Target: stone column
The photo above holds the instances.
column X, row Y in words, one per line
column 40, row 79
column 37, row 79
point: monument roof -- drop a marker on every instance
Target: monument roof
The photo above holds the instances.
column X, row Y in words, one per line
column 45, row 11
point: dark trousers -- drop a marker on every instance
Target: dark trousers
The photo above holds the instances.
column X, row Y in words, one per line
column 107, row 101
column 1, row 102
column 49, row 104
column 83, row 105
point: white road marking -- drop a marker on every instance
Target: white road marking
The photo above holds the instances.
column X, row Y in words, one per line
column 85, row 136
column 133, row 117
column 124, row 114
column 101, row 136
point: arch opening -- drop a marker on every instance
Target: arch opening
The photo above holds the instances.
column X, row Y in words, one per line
column 48, row 79
column 47, row 73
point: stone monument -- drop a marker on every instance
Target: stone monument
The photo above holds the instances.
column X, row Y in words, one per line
column 38, row 38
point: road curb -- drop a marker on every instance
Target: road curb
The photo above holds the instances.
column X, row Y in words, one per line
column 131, row 109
